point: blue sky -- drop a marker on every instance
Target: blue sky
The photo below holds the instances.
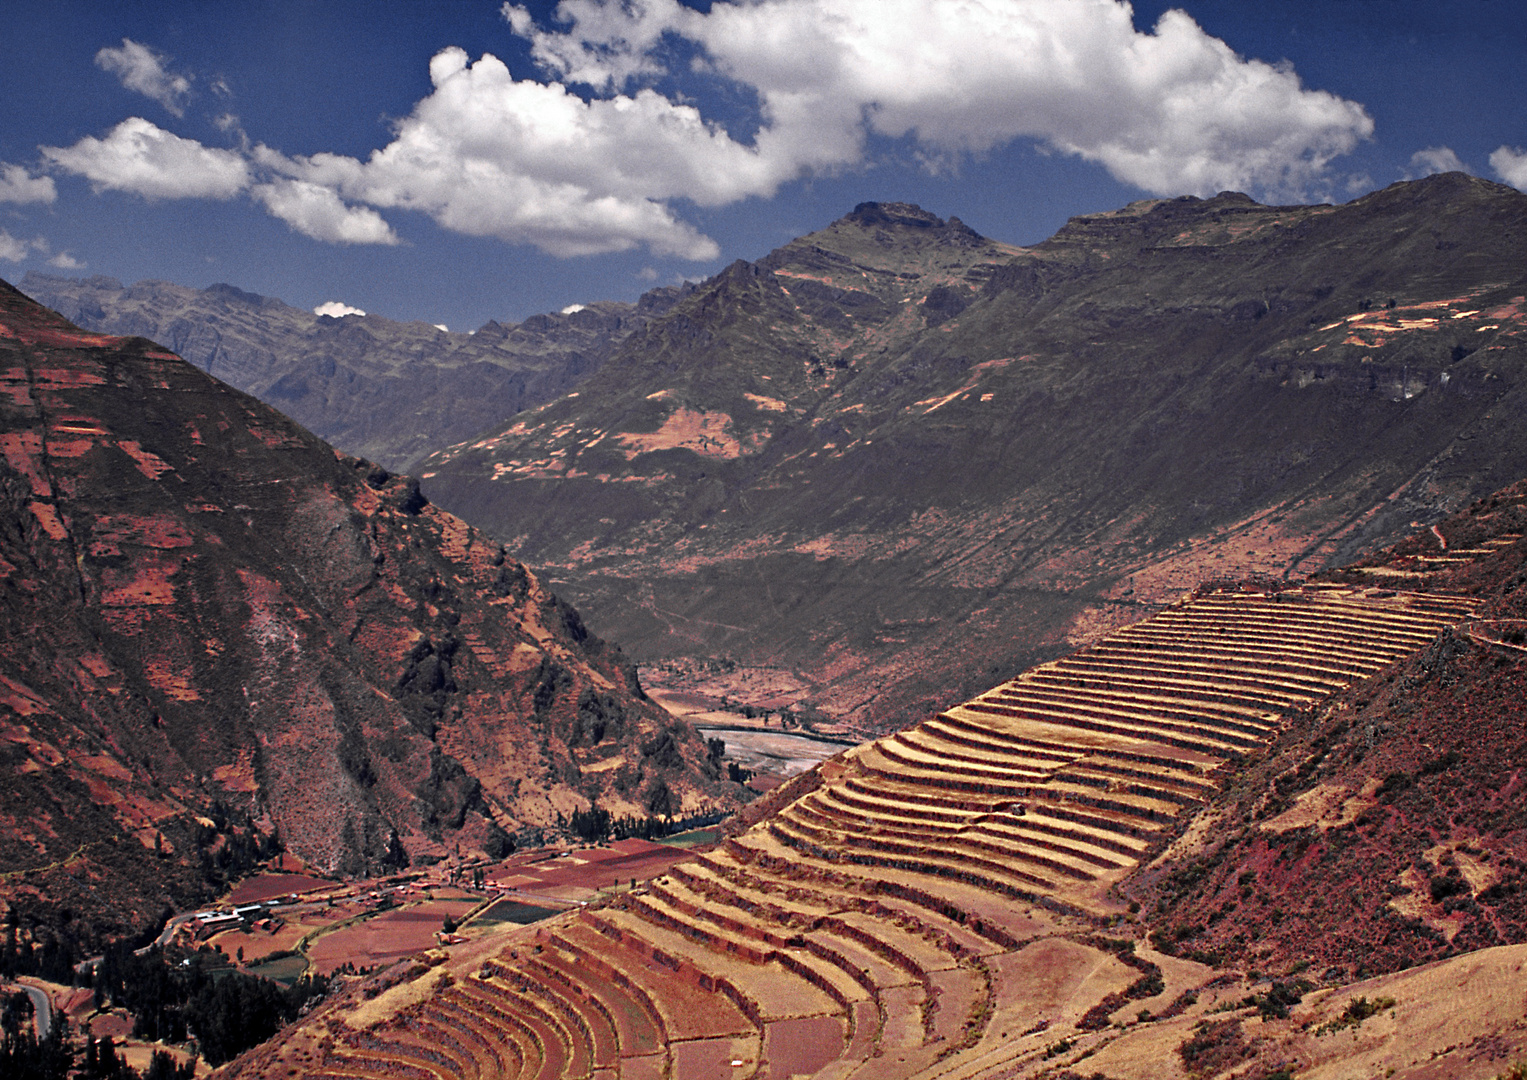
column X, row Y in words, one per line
column 456, row 162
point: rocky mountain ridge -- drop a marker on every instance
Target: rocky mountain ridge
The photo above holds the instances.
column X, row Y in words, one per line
column 384, row 390
column 894, row 460
column 209, row 615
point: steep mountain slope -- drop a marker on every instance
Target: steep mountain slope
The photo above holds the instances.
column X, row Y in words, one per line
column 955, row 900
column 1387, row 828
column 384, row 390
column 202, row 604
column 897, row 460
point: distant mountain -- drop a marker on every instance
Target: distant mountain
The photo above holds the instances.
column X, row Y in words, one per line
column 385, row 390
column 218, row 632
column 896, row 460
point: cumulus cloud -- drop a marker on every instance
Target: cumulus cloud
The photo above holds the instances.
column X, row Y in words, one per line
column 12, row 249
column 334, row 309
column 1510, row 164
column 139, row 157
column 1434, row 160
column 142, row 70
column 1174, row 111
column 316, row 211
column 19, row 186
column 144, row 159
column 602, row 169
column 523, row 161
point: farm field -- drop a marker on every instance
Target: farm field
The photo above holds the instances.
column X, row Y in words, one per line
column 269, row 886
column 386, row 937
column 344, row 926
column 578, row 875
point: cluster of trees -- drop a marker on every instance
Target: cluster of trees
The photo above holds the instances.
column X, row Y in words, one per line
column 49, row 952
column 591, row 824
column 102, row 1063
column 596, row 823
column 232, row 845
column 226, row 1011
column 23, row 1056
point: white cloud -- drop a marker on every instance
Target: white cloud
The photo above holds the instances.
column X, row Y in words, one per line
column 336, row 310
column 316, row 211
column 532, row 163
column 139, row 157
column 142, row 70
column 18, row 186
column 1434, row 160
column 1174, row 111
column 64, row 261
column 1510, row 164
column 146, row 160
column 12, row 249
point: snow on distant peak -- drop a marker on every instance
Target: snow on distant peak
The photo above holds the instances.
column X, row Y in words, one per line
column 572, row 308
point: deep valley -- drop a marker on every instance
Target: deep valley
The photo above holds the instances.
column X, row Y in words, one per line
column 905, row 656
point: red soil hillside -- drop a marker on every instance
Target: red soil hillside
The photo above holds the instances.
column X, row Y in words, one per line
column 202, row 603
column 1389, row 827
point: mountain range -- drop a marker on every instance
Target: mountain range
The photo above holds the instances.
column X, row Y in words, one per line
column 222, row 637
column 387, row 391
column 893, row 460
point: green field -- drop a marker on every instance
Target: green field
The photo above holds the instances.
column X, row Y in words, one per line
column 693, row 838
column 286, row 970
column 515, row 912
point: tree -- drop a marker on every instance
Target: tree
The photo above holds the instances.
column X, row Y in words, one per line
column 396, row 857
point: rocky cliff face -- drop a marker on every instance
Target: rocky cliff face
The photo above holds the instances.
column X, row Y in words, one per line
column 388, row 391
column 897, row 460
column 205, row 607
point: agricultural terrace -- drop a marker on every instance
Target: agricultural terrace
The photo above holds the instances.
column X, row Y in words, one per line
column 932, row 905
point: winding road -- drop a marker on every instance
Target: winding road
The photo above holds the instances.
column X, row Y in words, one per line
column 42, row 1007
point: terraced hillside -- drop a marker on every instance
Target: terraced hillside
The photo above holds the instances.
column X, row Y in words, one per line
column 931, row 904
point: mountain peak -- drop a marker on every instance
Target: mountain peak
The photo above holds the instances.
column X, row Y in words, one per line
column 879, row 215
column 894, row 213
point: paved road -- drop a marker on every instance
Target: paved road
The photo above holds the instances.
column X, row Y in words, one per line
column 42, row 1008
